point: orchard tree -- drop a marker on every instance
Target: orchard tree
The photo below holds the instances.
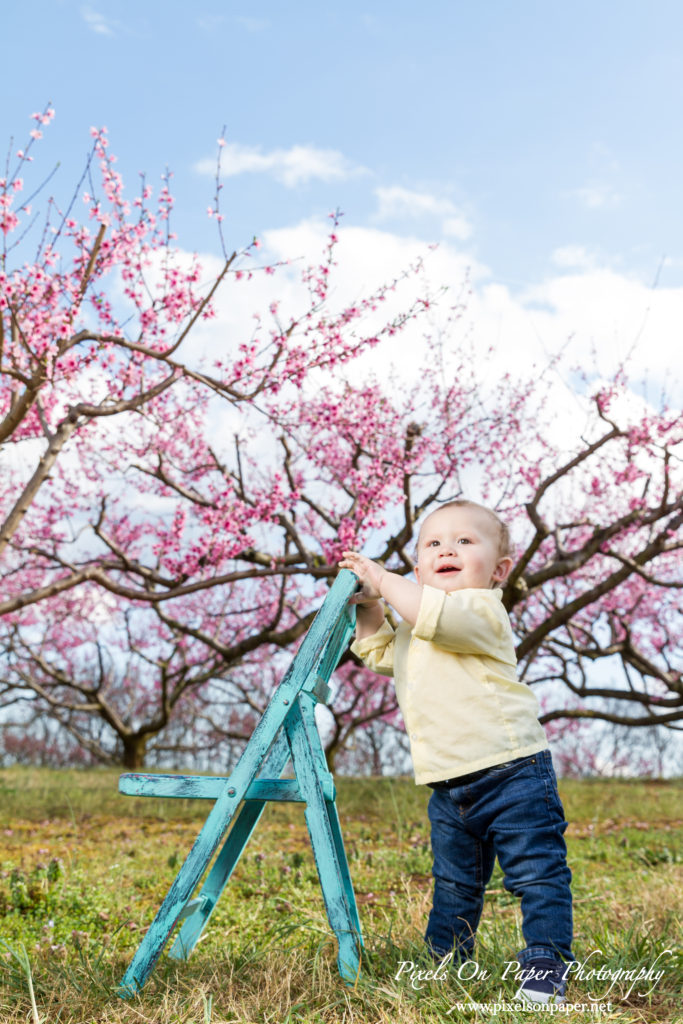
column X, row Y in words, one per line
column 157, row 575
column 133, row 573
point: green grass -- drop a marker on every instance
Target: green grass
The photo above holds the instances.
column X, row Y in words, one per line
column 83, row 870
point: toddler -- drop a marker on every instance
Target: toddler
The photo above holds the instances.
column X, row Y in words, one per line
column 475, row 738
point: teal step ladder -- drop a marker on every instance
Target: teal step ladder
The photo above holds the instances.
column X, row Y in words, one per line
column 287, row 730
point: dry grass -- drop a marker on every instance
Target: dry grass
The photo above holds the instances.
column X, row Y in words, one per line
column 82, row 873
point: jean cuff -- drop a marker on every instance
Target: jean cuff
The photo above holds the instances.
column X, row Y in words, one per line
column 541, row 952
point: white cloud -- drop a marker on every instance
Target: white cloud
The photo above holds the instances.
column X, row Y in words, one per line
column 395, row 201
column 596, row 316
column 292, row 167
column 617, row 317
column 598, row 196
column 253, row 24
column 96, row 22
column 573, row 256
column 211, row 22
column 457, row 227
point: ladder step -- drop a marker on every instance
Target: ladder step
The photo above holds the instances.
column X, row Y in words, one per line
column 201, row 787
column 321, row 691
column 199, row 903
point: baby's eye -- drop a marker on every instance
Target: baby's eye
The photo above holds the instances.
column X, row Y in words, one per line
column 464, row 540
column 433, row 543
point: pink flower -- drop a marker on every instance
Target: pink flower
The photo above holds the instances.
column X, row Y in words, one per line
column 8, row 222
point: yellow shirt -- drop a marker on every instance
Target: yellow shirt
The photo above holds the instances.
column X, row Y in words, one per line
column 456, row 684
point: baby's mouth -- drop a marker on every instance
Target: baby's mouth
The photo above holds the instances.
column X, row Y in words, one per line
column 447, row 568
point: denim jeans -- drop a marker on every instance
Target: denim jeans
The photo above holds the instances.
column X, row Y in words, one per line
column 511, row 811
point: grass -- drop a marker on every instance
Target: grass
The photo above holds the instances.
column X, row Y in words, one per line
column 83, row 871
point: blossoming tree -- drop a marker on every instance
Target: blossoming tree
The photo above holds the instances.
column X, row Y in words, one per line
column 155, row 575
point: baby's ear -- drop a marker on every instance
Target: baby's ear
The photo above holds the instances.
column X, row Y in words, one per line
column 417, row 573
column 502, row 570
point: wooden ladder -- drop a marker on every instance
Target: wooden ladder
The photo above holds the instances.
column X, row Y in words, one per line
column 287, row 730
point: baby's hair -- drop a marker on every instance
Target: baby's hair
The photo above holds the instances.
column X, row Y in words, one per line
column 504, row 546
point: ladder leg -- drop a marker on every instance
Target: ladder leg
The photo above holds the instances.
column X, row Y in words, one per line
column 231, row 851
column 308, row 715
column 335, row 828
column 196, row 863
column 171, row 909
column 219, row 876
column 342, row 920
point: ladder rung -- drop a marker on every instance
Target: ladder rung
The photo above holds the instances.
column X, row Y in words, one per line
column 199, row 903
column 321, row 691
column 202, row 787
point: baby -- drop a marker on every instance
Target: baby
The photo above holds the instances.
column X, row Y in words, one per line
column 475, row 738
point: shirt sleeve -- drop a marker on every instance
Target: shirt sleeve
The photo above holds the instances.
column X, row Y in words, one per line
column 466, row 622
column 377, row 651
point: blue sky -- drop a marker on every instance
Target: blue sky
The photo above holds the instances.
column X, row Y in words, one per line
column 538, row 141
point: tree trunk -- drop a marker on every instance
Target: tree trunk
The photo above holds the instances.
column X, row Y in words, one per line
column 134, row 750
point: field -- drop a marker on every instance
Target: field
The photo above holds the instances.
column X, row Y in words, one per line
column 83, row 870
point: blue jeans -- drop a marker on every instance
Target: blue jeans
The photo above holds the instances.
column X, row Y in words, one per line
column 511, row 811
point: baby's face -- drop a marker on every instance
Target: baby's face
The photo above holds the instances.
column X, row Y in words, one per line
column 459, row 548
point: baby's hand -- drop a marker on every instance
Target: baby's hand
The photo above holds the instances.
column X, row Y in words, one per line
column 368, row 572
